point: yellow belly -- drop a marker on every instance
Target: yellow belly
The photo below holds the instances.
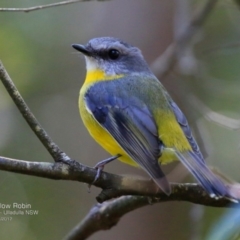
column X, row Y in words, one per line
column 100, row 135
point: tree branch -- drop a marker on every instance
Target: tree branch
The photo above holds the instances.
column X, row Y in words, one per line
column 53, row 149
column 106, row 215
column 30, row 9
column 113, row 185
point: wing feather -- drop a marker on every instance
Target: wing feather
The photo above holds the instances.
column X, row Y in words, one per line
column 134, row 128
column 186, row 129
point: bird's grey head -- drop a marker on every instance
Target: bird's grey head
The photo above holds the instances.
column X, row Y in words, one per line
column 113, row 56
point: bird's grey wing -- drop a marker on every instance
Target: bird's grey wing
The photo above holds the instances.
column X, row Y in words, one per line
column 134, row 128
column 186, row 129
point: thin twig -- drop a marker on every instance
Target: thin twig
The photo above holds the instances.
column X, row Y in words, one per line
column 220, row 119
column 165, row 63
column 53, row 149
column 30, row 9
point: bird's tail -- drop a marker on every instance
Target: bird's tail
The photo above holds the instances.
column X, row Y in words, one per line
column 212, row 185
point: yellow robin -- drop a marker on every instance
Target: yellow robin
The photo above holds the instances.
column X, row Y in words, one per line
column 130, row 114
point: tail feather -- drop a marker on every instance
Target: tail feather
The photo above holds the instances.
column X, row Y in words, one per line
column 213, row 185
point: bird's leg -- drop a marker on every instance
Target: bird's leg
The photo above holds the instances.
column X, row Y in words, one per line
column 100, row 166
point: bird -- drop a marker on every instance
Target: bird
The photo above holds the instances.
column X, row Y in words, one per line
column 128, row 111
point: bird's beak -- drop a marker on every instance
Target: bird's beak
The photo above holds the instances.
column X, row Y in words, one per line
column 83, row 49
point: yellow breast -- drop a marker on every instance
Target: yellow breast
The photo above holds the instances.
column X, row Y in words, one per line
column 98, row 133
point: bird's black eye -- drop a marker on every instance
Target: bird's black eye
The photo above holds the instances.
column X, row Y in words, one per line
column 113, row 54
